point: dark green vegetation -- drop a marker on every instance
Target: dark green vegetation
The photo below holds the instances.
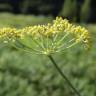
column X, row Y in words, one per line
column 76, row 10
column 23, row 74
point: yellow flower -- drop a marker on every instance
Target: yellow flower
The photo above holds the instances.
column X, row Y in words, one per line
column 9, row 34
column 50, row 38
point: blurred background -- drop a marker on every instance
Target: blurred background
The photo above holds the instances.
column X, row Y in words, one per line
column 23, row 74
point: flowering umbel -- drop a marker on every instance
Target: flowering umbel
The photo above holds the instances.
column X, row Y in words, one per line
column 46, row 39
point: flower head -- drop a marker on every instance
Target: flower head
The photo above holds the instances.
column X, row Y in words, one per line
column 9, row 34
column 47, row 39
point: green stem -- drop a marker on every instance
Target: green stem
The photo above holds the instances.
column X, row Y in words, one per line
column 63, row 75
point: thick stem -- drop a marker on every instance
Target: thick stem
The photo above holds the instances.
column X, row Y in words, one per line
column 63, row 75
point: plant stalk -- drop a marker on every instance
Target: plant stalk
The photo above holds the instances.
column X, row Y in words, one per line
column 63, row 75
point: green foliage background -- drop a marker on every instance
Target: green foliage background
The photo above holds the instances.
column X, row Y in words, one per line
column 75, row 10
column 23, row 74
column 85, row 11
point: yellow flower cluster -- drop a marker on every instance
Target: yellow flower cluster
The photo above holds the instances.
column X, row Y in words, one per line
column 45, row 36
column 79, row 32
column 60, row 26
column 9, row 34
